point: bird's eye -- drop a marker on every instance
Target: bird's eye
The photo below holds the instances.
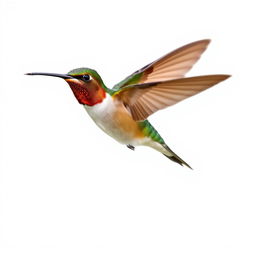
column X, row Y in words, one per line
column 86, row 78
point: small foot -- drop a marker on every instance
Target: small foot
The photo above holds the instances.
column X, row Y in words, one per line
column 130, row 147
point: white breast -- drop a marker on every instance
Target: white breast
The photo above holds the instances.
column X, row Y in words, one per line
column 102, row 115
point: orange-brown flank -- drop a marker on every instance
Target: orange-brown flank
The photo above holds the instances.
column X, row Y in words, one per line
column 126, row 123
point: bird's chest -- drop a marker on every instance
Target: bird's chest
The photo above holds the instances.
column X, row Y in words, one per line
column 114, row 119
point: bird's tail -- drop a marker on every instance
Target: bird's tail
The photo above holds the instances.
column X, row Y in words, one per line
column 175, row 158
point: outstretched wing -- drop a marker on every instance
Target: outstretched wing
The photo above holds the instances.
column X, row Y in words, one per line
column 143, row 100
column 174, row 65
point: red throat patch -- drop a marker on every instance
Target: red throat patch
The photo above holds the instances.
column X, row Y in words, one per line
column 87, row 93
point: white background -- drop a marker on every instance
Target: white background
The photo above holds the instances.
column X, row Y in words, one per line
column 68, row 189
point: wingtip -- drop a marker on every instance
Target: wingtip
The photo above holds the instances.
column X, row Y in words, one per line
column 207, row 40
column 202, row 42
column 224, row 77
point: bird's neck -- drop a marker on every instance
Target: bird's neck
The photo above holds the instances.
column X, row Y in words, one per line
column 88, row 95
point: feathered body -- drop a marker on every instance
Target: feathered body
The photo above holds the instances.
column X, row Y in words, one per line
column 115, row 120
column 122, row 112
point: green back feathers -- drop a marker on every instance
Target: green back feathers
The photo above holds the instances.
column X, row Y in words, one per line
column 130, row 80
column 150, row 131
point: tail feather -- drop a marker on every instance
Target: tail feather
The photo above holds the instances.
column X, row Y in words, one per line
column 178, row 160
column 156, row 142
column 175, row 158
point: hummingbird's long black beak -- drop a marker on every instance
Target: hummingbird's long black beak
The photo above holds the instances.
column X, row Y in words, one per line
column 64, row 76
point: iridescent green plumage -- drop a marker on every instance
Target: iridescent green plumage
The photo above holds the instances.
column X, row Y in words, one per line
column 132, row 79
column 150, row 131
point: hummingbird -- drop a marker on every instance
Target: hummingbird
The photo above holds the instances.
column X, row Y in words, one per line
column 122, row 112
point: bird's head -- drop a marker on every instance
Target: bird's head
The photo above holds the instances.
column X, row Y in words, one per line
column 85, row 83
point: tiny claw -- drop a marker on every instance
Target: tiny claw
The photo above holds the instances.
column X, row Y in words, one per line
column 130, row 147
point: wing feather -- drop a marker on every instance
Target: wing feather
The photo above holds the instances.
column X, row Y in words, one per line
column 143, row 100
column 174, row 65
